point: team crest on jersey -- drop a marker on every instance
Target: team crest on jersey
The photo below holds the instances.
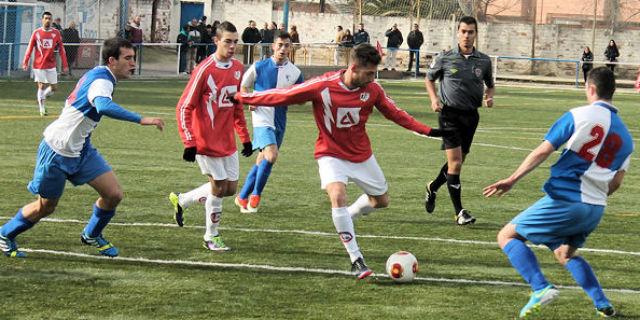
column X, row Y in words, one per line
column 347, row 117
column 364, row 96
column 478, row 72
column 237, row 75
column 47, row 43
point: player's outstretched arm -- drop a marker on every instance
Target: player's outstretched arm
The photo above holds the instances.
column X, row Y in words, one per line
column 532, row 161
column 297, row 94
column 27, row 55
column 148, row 121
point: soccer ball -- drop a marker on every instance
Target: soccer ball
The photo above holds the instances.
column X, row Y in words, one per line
column 402, row 266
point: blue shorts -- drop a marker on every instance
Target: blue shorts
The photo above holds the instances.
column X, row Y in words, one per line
column 556, row 222
column 52, row 170
column 264, row 136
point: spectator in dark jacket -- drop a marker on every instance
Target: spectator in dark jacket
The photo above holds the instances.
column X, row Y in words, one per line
column 394, row 40
column 71, row 35
column 587, row 62
column 415, row 41
column 295, row 41
column 612, row 54
column 183, row 40
column 360, row 36
column 250, row 36
column 267, row 38
column 205, row 40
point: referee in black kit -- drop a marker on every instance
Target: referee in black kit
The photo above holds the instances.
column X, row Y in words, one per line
column 462, row 72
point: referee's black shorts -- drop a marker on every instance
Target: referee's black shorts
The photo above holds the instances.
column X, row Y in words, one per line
column 464, row 122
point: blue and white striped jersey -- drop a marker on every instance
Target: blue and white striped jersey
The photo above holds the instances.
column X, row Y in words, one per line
column 264, row 75
column 68, row 134
column 598, row 144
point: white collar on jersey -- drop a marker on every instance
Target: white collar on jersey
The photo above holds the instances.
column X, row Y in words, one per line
column 286, row 61
column 606, row 105
column 110, row 72
column 222, row 64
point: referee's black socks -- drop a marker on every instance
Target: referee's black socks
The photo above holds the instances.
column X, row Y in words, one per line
column 455, row 191
column 440, row 179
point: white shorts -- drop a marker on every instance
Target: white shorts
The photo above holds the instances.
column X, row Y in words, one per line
column 222, row 168
column 367, row 175
column 45, row 75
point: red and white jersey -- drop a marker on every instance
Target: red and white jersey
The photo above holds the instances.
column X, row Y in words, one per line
column 206, row 118
column 45, row 42
column 341, row 113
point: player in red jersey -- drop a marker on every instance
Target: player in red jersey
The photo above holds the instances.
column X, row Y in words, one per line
column 46, row 40
column 206, row 122
column 342, row 102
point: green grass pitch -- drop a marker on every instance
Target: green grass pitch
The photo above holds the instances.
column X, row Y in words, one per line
column 286, row 260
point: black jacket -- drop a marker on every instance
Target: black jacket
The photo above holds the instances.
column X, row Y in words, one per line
column 251, row 35
column 267, row 35
column 415, row 39
column 587, row 57
column 611, row 53
column 394, row 38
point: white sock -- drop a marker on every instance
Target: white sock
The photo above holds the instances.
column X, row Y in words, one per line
column 196, row 195
column 361, row 206
column 47, row 92
column 344, row 225
column 40, row 96
column 212, row 216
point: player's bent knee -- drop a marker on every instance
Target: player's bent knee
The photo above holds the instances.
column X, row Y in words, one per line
column 563, row 255
column 114, row 197
column 380, row 202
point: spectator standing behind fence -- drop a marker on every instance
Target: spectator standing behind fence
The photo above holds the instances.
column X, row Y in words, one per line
column 135, row 32
column 394, row 40
column 347, row 43
column 338, row 41
column 587, row 62
column 415, row 41
column 183, row 40
column 205, row 39
column 250, row 36
column 57, row 24
column 71, row 35
column 267, row 39
column 360, row 36
column 194, row 41
column 295, row 41
column 612, row 54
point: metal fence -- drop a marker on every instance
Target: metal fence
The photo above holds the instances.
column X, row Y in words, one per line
column 166, row 60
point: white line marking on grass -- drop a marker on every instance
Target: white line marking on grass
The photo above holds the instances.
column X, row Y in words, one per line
column 325, row 234
column 292, row 269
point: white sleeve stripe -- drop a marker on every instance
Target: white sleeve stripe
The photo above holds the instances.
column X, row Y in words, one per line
column 194, row 84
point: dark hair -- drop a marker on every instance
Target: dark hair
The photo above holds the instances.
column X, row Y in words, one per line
column 284, row 36
column 225, row 26
column 469, row 20
column 604, row 80
column 111, row 48
column 339, row 27
column 614, row 43
column 251, row 21
column 46, row 13
column 365, row 54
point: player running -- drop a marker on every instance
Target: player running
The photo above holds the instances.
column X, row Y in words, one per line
column 206, row 122
column 46, row 40
column 269, row 126
column 66, row 153
column 592, row 165
column 342, row 102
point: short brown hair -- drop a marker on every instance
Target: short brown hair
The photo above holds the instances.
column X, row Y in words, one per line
column 365, row 54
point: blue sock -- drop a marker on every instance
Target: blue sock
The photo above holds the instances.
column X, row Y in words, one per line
column 584, row 276
column 17, row 225
column 98, row 221
column 525, row 262
column 264, row 170
column 249, row 182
